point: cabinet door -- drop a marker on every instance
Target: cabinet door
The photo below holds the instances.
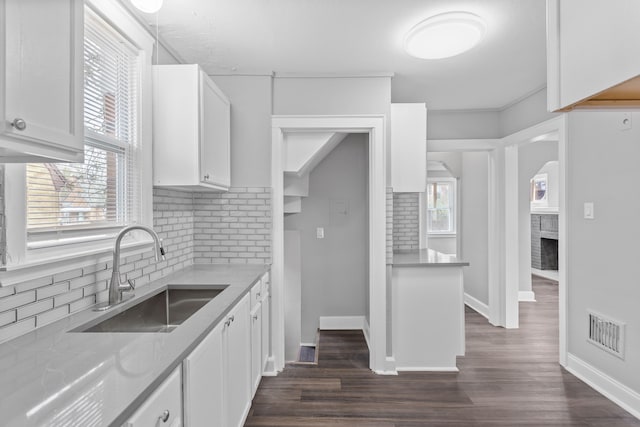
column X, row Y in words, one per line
column 163, row 407
column 203, row 383
column 237, row 347
column 215, row 138
column 409, row 147
column 42, row 88
column 266, row 327
column 256, row 347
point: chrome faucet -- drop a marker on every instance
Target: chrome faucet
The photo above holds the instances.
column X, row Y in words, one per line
column 116, row 288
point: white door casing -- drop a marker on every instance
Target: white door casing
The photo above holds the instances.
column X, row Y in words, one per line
column 374, row 126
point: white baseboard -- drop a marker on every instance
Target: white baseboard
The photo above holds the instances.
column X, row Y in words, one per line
column 610, row 388
column 342, row 322
column 270, row 368
column 426, row 369
column 366, row 332
column 526, row 296
column 477, row 305
column 389, row 367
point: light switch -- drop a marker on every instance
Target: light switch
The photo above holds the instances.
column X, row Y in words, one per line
column 320, row 232
column 588, row 210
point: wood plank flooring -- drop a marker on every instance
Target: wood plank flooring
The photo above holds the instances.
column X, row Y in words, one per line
column 507, row 378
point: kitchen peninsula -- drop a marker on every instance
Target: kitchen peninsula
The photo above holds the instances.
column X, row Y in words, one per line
column 427, row 310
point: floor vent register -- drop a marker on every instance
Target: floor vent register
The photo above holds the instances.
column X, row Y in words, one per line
column 607, row 334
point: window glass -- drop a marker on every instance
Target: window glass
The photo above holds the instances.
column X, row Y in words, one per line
column 440, row 203
column 103, row 191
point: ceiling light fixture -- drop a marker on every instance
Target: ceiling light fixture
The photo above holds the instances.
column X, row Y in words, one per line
column 445, row 35
column 147, row 6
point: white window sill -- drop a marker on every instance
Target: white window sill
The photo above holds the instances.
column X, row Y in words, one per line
column 440, row 235
column 44, row 262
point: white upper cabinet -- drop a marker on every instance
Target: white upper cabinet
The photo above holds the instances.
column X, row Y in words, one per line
column 409, row 148
column 192, row 130
column 593, row 54
column 41, row 81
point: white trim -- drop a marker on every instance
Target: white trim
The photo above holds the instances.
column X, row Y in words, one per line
column 553, row 55
column 620, row 394
column 292, row 75
column 428, row 369
column 476, row 305
column 445, row 145
column 374, row 126
column 512, row 243
column 49, row 261
column 389, row 367
column 367, row 332
column 526, row 296
column 508, row 303
column 344, row 323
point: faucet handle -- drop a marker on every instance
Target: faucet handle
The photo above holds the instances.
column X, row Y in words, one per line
column 132, row 283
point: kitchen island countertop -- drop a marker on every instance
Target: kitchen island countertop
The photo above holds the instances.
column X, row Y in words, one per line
column 425, row 258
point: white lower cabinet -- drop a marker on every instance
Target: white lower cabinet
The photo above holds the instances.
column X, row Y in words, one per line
column 256, row 347
column 203, row 372
column 216, row 374
column 220, row 376
column 266, row 321
column 237, row 347
column 163, row 407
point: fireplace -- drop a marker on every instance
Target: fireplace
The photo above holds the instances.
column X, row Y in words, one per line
column 544, row 241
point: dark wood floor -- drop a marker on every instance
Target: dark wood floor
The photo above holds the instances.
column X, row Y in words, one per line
column 507, row 378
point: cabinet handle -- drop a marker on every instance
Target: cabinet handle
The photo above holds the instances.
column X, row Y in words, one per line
column 165, row 416
column 257, row 294
column 19, row 124
column 255, row 317
column 233, row 318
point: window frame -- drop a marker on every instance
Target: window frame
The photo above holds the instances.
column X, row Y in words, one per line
column 425, row 234
column 47, row 258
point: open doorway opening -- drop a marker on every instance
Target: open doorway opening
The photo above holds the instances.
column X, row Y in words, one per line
column 538, row 205
column 326, row 245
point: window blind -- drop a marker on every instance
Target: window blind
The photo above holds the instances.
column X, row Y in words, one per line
column 104, row 190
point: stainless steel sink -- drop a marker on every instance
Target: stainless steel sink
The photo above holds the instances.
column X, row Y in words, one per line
column 161, row 312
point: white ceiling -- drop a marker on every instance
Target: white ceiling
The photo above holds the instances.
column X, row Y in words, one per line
column 364, row 37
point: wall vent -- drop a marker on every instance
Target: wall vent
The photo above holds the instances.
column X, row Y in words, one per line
column 607, row 334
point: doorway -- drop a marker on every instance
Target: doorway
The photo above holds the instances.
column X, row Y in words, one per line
column 550, row 130
column 374, row 128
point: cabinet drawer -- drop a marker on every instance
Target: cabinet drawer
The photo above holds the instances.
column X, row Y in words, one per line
column 163, row 407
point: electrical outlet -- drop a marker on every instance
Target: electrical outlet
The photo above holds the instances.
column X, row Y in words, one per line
column 625, row 121
column 320, row 233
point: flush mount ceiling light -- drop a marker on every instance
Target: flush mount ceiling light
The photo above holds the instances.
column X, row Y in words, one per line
column 147, row 6
column 445, row 35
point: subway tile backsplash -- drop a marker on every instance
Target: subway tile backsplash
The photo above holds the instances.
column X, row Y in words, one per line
column 233, row 227
column 406, row 221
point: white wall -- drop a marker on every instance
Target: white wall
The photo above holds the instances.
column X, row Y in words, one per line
column 603, row 252
column 525, row 113
column 531, row 157
column 292, row 295
column 474, row 223
column 250, row 128
column 334, row 95
column 334, row 269
column 463, row 124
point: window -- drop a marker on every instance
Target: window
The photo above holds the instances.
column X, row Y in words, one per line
column 65, row 215
column 440, row 200
column 67, row 200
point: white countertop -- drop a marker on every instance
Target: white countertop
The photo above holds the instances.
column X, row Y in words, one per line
column 426, row 258
column 50, row 375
